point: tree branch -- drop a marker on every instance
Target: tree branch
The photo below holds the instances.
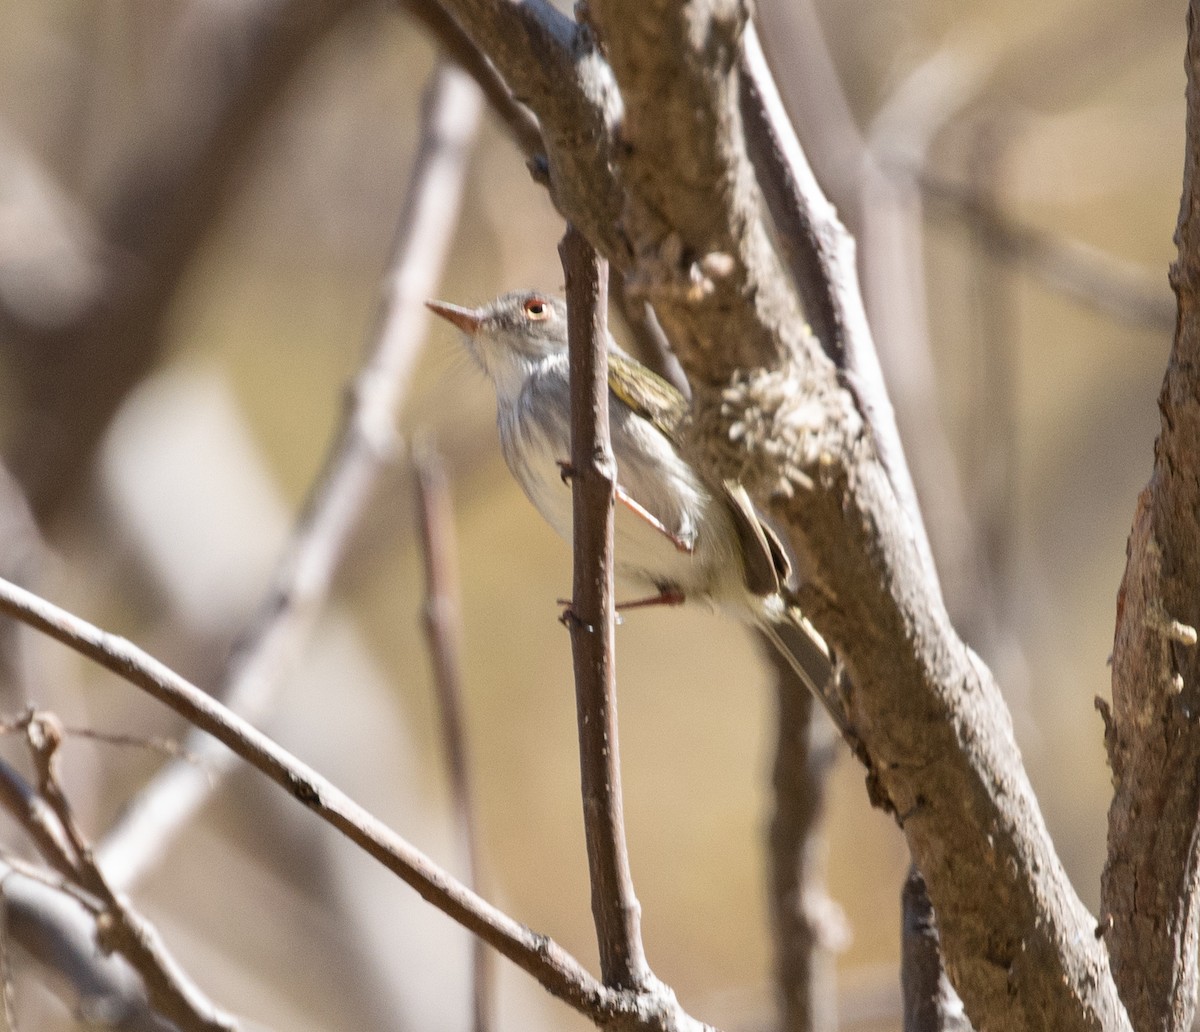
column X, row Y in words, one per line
column 458, row 47
column 820, row 254
column 1150, row 883
column 58, row 931
column 46, row 816
column 930, row 1003
column 591, row 618
column 768, row 408
column 555, row 68
column 809, row 927
column 443, row 631
column 557, row 971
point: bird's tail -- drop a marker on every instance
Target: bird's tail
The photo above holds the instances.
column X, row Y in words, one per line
column 806, row 652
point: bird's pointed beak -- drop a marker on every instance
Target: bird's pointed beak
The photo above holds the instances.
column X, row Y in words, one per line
column 466, row 319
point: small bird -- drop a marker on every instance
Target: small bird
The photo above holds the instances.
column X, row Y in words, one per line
column 676, row 536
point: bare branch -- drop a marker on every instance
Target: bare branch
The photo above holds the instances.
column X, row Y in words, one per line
column 361, row 448
column 47, row 817
column 930, row 1003
column 654, row 1010
column 809, row 927
column 555, row 67
column 821, row 259
column 815, row 246
column 591, row 618
column 33, row 814
column 820, row 255
column 58, row 931
column 459, row 48
column 1150, row 883
column 883, row 210
column 443, row 629
column 768, row 408
column 1099, row 280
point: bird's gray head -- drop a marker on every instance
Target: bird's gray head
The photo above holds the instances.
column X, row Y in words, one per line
column 512, row 335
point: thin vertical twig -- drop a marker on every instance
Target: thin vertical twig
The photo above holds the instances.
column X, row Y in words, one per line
column 443, row 629
column 591, row 618
column 992, row 444
column 809, row 927
column 362, row 447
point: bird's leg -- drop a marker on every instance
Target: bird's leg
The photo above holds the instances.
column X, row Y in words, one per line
column 638, row 510
column 665, row 597
column 567, row 471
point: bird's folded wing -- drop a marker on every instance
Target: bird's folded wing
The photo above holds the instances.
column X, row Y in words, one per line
column 647, row 393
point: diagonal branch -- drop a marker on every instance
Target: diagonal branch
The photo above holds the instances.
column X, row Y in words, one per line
column 358, row 454
column 961, row 796
column 457, row 46
column 557, row 971
column 770, row 409
column 58, row 931
column 46, row 816
column 820, row 255
column 555, row 68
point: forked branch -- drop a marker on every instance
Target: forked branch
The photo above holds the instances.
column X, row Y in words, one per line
column 557, row 971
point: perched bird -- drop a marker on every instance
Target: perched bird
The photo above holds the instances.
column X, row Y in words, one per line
column 677, row 537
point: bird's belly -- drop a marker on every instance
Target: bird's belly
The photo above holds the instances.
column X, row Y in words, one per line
column 645, row 557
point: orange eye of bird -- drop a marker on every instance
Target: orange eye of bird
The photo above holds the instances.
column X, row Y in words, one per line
column 536, row 308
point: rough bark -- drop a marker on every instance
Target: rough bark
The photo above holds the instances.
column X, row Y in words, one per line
column 592, row 620
column 769, row 408
column 930, row 1003
column 1150, row 882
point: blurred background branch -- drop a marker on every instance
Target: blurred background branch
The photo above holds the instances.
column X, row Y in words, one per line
column 443, row 628
column 363, row 445
column 213, row 83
